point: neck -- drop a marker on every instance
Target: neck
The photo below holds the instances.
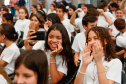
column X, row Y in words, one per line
column 122, row 31
column 8, row 43
column 36, row 29
column 52, row 10
column 22, row 18
column 61, row 19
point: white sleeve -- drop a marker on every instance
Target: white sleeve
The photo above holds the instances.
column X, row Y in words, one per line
column 78, row 22
column 62, row 67
column 121, row 41
column 39, row 45
column 2, row 80
column 25, row 33
column 114, row 72
column 75, row 45
column 9, row 56
column 71, row 28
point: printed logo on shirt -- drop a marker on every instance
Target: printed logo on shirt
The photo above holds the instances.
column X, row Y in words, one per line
column 106, row 70
column 2, row 57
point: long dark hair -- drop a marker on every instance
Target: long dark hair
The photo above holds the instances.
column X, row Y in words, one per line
column 26, row 11
column 74, row 8
column 103, row 35
column 35, row 60
column 67, row 50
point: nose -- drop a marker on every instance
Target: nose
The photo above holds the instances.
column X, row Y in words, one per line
column 54, row 40
column 92, row 42
column 20, row 80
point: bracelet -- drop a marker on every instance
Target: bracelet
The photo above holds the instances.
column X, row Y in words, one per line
column 100, row 72
column 52, row 56
column 81, row 73
column 31, row 44
column 52, row 62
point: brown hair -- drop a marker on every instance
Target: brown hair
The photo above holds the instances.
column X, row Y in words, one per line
column 119, row 24
column 40, row 19
column 93, row 11
column 5, row 75
column 35, row 60
column 5, row 8
column 26, row 11
column 102, row 5
column 103, row 35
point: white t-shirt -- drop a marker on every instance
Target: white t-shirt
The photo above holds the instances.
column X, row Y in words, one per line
column 59, row 0
column 121, row 40
column 78, row 23
column 68, row 25
column 9, row 55
column 0, row 20
column 61, row 67
column 2, row 80
column 113, row 13
column 114, row 30
column 68, row 1
column 26, row 32
column 45, row 10
column 109, row 15
column 21, row 24
column 112, row 70
column 102, row 23
column 17, row 13
column 81, row 14
column 79, row 43
column 49, row 11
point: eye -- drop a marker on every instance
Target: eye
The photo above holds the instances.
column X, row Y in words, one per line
column 89, row 40
column 50, row 36
column 27, row 76
column 58, row 37
column 16, row 74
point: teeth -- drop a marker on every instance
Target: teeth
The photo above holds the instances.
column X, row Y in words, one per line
column 54, row 45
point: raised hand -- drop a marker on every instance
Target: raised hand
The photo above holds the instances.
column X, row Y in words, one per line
column 46, row 26
column 78, row 10
column 86, row 55
column 98, row 52
column 57, row 51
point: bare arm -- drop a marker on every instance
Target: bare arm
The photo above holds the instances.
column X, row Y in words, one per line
column 76, row 57
column 3, row 63
column 73, row 17
column 105, row 16
column 122, row 6
column 120, row 52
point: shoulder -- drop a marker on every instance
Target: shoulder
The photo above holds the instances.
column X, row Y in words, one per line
column 115, row 62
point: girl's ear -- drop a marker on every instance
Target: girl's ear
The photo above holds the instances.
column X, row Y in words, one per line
column 3, row 36
column 26, row 14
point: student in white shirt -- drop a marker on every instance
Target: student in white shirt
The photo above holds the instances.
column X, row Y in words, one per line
column 92, row 11
column 36, row 24
column 23, row 21
column 33, row 9
column 31, row 67
column 51, row 9
column 10, row 51
column 39, row 6
column 113, row 7
column 60, row 11
column 4, row 79
column 58, row 49
column 17, row 7
column 88, row 22
column 102, row 66
column 52, row 19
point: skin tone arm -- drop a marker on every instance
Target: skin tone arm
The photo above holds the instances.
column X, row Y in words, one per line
column 3, row 63
column 101, row 11
column 76, row 57
column 14, row 2
column 72, row 19
column 122, row 6
column 120, row 52
column 56, row 76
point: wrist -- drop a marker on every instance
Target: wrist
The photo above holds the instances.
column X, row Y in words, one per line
column 98, row 62
column 31, row 44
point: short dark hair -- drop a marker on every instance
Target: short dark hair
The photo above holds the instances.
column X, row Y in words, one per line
column 88, row 18
column 17, row 5
column 5, row 8
column 102, row 5
column 114, row 4
column 119, row 24
column 54, row 18
column 35, row 60
column 93, row 12
column 8, row 16
column 61, row 7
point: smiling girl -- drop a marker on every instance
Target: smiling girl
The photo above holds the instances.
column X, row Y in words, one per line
column 103, row 66
column 57, row 47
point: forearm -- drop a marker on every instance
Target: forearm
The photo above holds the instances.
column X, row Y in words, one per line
column 122, row 6
column 55, row 74
column 108, row 19
column 101, row 74
column 120, row 52
column 80, row 77
column 27, row 46
column 72, row 19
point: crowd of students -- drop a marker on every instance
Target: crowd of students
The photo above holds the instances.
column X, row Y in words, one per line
column 91, row 40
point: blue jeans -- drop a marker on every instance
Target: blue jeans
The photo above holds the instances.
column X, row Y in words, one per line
column 12, row 11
